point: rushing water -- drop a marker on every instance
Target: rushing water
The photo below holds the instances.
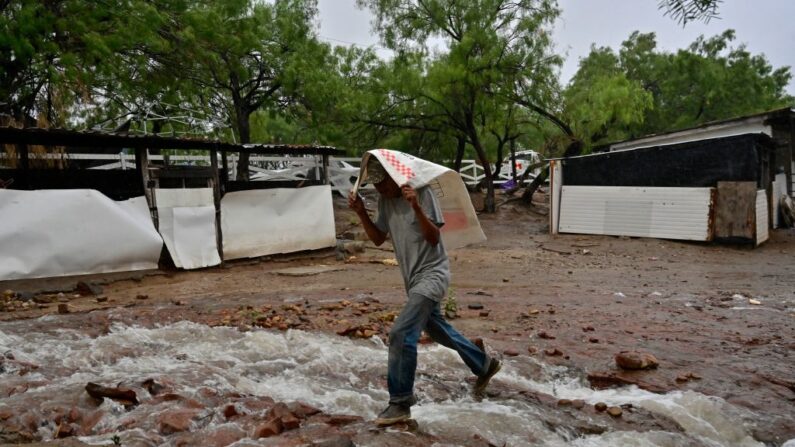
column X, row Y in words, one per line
column 335, row 374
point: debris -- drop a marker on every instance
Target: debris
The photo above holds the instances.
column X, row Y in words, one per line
column 389, row 261
column 753, row 301
column 619, row 295
column 636, row 360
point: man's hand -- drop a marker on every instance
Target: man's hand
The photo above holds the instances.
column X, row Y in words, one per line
column 356, row 203
column 410, row 195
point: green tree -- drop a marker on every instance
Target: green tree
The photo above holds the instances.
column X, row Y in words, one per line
column 492, row 46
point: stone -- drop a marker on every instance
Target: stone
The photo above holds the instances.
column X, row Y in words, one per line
column 476, row 306
column 221, row 436
column 593, row 340
column 615, row 411
column 102, row 299
column 352, row 247
column 62, row 298
column 545, row 335
column 484, row 313
column 634, row 360
column 479, row 343
column 271, row 428
column 564, row 402
column 337, row 441
column 302, row 410
column 85, row 289
column 600, row 406
column 343, row 419
column 122, row 395
column 230, row 411
column 175, row 421
column 64, row 430
column 578, row 403
column 141, row 297
column 63, row 308
column 553, row 352
column 510, row 352
column 588, row 329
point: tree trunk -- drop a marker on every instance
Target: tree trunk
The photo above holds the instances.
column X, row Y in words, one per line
column 489, row 203
column 575, row 148
column 244, row 131
column 513, row 160
column 459, row 153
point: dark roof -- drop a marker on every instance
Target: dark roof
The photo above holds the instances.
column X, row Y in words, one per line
column 96, row 139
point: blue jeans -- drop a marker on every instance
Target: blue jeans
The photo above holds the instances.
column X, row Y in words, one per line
column 423, row 313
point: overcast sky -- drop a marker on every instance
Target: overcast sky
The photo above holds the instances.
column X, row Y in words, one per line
column 765, row 26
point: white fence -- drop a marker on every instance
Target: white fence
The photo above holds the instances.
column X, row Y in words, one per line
column 342, row 170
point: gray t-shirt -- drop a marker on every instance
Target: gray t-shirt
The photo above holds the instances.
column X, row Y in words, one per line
column 425, row 268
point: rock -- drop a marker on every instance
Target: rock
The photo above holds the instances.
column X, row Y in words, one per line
column 533, row 312
column 587, row 329
column 600, row 406
column 545, row 336
column 61, row 298
column 64, row 430
column 505, row 280
column 484, row 313
column 615, row 411
column 337, row 441
column 510, row 352
column 220, row 437
column 175, row 421
column 102, row 299
column 286, row 418
column 564, row 402
column 86, row 289
column 230, row 411
column 593, row 339
column 477, row 306
column 26, row 296
column 607, row 379
column 352, row 247
column 578, row 403
column 141, row 297
column 271, row 428
column 479, row 343
column 635, row 360
column 153, row 387
column 63, row 308
column 343, row 419
column 553, row 352
column 125, row 396
column 302, row 410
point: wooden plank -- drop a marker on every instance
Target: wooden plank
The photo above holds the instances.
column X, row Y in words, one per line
column 735, row 211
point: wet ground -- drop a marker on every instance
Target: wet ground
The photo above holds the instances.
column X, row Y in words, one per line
column 719, row 319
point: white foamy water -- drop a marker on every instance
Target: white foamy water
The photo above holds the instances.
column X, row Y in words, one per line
column 335, row 374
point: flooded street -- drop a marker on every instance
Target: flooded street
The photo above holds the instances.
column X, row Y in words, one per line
column 213, row 355
column 212, row 367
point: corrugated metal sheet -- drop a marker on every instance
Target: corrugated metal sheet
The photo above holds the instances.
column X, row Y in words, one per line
column 668, row 213
column 762, row 225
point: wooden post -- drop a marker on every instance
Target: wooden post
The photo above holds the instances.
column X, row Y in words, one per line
column 142, row 167
column 219, row 240
column 24, row 164
column 325, row 169
column 224, row 173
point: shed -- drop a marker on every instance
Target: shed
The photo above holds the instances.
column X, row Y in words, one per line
column 61, row 218
column 703, row 190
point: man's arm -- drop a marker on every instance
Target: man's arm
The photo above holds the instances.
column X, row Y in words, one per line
column 430, row 232
column 356, row 203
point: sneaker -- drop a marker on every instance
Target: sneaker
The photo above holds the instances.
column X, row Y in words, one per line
column 393, row 414
column 483, row 381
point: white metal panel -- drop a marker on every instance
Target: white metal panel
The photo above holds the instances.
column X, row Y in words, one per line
column 262, row 222
column 668, row 213
column 74, row 232
column 762, row 225
column 186, row 219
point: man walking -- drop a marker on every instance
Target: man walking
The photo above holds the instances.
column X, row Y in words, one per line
column 413, row 219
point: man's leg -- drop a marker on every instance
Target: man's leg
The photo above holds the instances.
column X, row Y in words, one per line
column 443, row 333
column 402, row 362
